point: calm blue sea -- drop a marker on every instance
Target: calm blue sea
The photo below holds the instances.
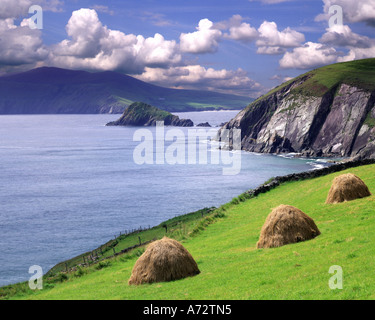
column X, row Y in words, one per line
column 69, row 184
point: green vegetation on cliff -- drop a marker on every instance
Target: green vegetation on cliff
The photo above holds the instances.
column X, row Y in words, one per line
column 142, row 114
column 358, row 73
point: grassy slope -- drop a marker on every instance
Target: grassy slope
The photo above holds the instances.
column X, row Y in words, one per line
column 178, row 228
column 232, row 268
column 359, row 73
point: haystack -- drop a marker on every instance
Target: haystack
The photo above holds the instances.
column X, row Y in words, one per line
column 285, row 225
column 163, row 260
column 347, row 187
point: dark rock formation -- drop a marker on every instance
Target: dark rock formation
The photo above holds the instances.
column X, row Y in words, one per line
column 305, row 117
column 142, row 114
column 206, row 124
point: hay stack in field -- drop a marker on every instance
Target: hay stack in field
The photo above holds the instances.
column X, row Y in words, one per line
column 163, row 260
column 285, row 225
column 347, row 187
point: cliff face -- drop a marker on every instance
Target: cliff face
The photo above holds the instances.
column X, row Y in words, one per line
column 337, row 122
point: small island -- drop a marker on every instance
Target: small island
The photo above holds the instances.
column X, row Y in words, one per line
column 142, row 114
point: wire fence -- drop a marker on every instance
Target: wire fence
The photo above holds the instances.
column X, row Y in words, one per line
column 110, row 249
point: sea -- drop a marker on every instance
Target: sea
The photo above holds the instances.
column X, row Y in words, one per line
column 68, row 183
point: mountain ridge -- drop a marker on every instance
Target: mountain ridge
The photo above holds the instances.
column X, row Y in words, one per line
column 50, row 90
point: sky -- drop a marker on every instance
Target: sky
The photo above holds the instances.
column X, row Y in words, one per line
column 243, row 47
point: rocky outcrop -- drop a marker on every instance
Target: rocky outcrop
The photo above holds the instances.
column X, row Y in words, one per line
column 205, row 124
column 142, row 114
column 338, row 123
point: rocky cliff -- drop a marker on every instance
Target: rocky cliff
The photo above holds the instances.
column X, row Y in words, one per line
column 142, row 114
column 327, row 112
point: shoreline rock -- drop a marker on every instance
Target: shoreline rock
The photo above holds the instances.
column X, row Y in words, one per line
column 205, row 124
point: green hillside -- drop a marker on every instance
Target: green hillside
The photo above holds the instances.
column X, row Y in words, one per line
column 224, row 245
column 358, row 73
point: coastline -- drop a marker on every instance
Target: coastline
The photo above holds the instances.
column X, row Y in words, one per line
column 201, row 219
column 265, row 187
column 204, row 203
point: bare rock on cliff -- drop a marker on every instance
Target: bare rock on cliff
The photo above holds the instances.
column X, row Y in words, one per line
column 326, row 112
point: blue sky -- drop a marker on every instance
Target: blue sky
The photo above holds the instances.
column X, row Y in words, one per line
column 241, row 46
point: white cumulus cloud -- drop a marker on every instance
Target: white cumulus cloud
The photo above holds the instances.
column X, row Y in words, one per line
column 94, row 46
column 204, row 40
column 273, row 41
column 353, row 10
column 20, row 44
column 311, row 55
column 199, row 77
column 343, row 36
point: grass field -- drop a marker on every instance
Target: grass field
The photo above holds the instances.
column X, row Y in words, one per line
column 358, row 73
column 231, row 267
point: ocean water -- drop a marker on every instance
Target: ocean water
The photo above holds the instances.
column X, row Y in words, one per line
column 69, row 184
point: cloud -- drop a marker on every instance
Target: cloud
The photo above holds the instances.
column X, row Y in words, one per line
column 311, row 55
column 343, row 36
column 19, row 44
column 359, row 53
column 354, row 10
column 156, row 19
column 51, row 5
column 199, row 77
column 14, row 9
column 244, row 32
column 273, row 41
column 238, row 30
column 103, row 9
column 276, row 77
column 86, row 32
column 205, row 40
column 360, row 47
column 20, row 8
column 94, row 46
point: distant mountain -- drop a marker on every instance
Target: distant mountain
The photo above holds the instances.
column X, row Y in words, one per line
column 329, row 112
column 49, row 90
